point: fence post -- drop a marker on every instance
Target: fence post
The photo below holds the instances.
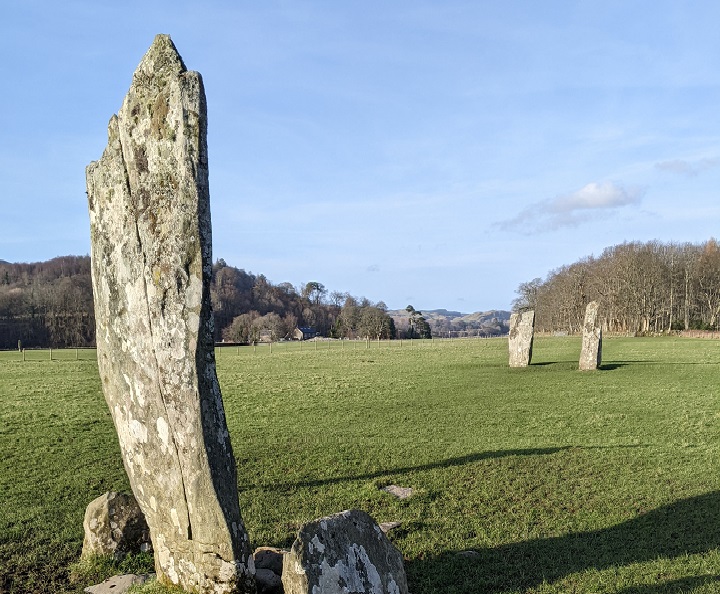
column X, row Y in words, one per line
column 51, row 354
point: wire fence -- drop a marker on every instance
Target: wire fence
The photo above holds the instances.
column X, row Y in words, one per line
column 329, row 344
column 66, row 354
column 261, row 348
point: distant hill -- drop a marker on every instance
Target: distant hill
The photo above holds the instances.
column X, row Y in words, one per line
column 444, row 322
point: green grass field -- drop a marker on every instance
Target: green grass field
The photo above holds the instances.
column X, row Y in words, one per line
column 557, row 480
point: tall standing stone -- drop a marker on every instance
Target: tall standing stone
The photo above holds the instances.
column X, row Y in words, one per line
column 151, row 265
column 520, row 339
column 591, row 353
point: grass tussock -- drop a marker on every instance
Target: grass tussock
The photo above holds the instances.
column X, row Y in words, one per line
column 554, row 480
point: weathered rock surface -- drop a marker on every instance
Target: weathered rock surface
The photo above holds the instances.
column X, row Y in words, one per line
column 115, row 525
column 591, row 353
column 399, row 492
column 388, row 526
column 346, row 552
column 520, row 340
column 268, row 569
column 269, row 558
column 151, row 265
column 268, row 582
column 119, row 584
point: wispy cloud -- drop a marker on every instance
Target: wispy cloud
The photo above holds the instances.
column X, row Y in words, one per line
column 593, row 201
column 687, row 168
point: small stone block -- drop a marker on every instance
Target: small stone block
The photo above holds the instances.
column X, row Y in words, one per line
column 269, row 558
column 388, row 526
column 119, row 584
column 399, row 492
column 268, row 582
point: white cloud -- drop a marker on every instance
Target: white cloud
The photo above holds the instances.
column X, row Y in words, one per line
column 688, row 168
column 593, row 201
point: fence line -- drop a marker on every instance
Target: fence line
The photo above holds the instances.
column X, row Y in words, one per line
column 318, row 345
column 350, row 345
column 50, row 354
column 699, row 334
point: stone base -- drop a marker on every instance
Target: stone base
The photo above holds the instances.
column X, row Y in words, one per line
column 119, row 584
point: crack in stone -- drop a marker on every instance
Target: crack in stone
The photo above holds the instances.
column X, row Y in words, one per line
column 148, row 197
column 135, row 215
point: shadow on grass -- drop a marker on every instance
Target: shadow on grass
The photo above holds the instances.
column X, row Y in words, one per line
column 612, row 366
column 674, row 586
column 688, row 526
column 545, row 363
column 450, row 462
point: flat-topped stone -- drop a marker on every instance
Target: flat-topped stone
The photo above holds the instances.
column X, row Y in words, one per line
column 119, row 584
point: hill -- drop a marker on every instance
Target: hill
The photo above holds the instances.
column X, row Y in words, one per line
column 446, row 323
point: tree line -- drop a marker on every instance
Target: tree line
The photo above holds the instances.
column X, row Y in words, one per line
column 50, row 304
column 650, row 287
column 249, row 308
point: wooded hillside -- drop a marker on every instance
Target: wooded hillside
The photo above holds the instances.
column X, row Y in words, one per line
column 50, row 304
column 642, row 287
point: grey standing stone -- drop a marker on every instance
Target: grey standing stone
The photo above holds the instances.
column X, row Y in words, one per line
column 343, row 553
column 591, row 353
column 151, row 265
column 520, row 340
column 115, row 525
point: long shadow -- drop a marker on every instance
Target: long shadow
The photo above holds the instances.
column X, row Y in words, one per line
column 450, row 462
column 618, row 364
column 612, row 366
column 673, row 586
column 688, row 526
column 545, row 363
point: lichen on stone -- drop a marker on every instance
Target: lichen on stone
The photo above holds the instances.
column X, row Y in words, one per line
column 148, row 198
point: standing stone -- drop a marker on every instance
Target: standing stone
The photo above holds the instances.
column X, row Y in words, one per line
column 343, row 553
column 591, row 353
column 520, row 342
column 151, row 265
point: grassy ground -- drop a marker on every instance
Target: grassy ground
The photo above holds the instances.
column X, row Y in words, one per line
column 556, row 480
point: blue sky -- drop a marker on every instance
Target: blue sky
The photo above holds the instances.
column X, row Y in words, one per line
column 427, row 153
